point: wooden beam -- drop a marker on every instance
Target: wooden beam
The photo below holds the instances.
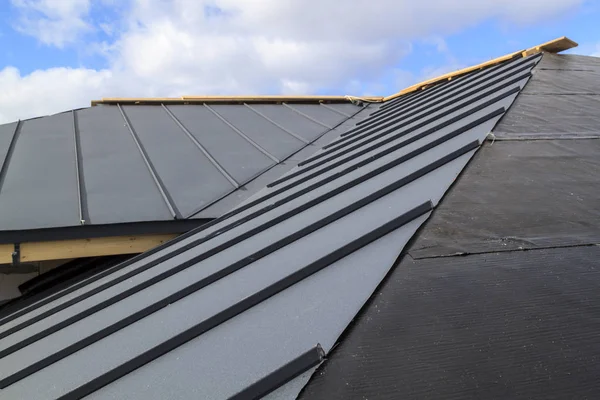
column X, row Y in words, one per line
column 6, row 251
column 557, row 45
column 553, row 46
column 77, row 248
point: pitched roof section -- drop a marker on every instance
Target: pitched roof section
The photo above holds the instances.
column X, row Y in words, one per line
column 117, row 164
column 258, row 296
column 497, row 296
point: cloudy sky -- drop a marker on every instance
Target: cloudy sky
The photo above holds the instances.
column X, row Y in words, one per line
column 60, row 54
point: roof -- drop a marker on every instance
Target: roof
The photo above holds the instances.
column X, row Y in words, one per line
column 127, row 169
column 497, row 295
column 254, row 300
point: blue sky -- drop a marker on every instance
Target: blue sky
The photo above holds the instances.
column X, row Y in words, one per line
column 60, row 54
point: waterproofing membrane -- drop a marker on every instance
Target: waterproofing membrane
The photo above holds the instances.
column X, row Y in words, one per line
column 562, row 100
column 519, row 195
column 513, row 325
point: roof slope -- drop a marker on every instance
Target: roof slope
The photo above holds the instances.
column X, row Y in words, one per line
column 497, row 297
column 257, row 297
column 119, row 164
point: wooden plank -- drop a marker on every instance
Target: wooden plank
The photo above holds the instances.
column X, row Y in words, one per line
column 553, row 46
column 6, row 251
column 77, row 248
column 557, row 45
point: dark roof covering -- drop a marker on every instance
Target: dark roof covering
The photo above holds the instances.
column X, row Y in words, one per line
column 114, row 164
column 258, row 296
column 497, row 296
column 562, row 101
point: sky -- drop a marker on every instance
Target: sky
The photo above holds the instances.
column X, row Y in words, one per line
column 57, row 55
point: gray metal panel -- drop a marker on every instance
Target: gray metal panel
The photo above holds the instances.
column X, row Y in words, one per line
column 118, row 184
column 348, row 108
column 189, row 176
column 7, row 132
column 238, row 351
column 276, row 141
column 291, row 120
column 184, row 167
column 295, row 320
column 40, row 187
column 320, row 113
column 251, row 188
column 237, row 156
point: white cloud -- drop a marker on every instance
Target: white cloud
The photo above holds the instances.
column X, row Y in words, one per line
column 53, row 22
column 179, row 47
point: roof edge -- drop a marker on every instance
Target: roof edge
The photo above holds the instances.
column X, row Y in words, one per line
column 308, row 99
column 553, row 46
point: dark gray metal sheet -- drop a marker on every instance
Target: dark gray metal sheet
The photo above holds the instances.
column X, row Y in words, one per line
column 291, row 120
column 346, row 107
column 319, row 113
column 520, row 195
column 270, row 137
column 188, row 175
column 561, row 101
column 180, row 171
column 119, row 187
column 251, row 188
column 33, row 172
column 7, row 132
column 237, row 156
column 516, row 325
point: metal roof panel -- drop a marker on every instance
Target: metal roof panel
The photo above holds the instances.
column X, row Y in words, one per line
column 31, row 172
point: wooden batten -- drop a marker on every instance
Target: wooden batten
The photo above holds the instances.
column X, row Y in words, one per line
column 77, row 248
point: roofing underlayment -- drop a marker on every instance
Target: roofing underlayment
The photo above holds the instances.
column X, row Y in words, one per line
column 497, row 297
column 251, row 303
column 78, row 173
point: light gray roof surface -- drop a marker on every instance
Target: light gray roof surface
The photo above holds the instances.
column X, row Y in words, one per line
column 257, row 297
column 114, row 164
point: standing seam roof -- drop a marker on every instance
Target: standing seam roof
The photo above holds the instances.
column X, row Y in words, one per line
column 119, row 164
column 288, row 269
